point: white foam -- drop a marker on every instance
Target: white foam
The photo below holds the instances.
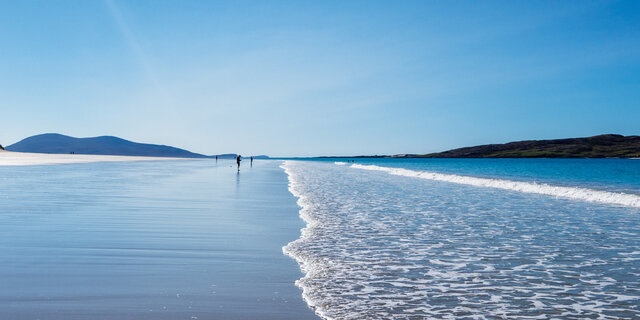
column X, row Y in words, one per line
column 373, row 254
column 575, row 193
column 307, row 265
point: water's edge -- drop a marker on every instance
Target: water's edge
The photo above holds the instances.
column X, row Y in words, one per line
column 305, row 262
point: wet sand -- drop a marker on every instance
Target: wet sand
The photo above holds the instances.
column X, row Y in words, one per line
column 148, row 240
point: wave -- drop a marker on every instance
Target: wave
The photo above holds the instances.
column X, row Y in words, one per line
column 393, row 251
column 306, row 263
column 575, row 193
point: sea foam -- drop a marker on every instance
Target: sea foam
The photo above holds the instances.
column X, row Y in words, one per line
column 575, row 193
column 378, row 247
column 307, row 264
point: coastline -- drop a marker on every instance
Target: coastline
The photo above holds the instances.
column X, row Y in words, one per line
column 304, row 262
column 10, row 158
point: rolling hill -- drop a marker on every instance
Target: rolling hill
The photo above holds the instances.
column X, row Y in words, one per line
column 104, row 145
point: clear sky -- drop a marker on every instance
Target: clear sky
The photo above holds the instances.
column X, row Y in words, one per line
column 304, row 78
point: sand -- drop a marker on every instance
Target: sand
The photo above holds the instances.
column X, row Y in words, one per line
column 148, row 240
column 9, row 158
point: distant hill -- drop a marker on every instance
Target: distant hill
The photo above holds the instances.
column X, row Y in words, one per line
column 602, row 146
column 105, row 145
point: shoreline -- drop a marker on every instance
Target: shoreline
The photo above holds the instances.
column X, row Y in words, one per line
column 11, row 158
column 304, row 263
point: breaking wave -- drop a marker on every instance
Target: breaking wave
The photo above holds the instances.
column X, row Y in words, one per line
column 576, row 193
column 379, row 246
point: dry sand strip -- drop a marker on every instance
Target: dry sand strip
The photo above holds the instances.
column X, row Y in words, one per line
column 9, row 158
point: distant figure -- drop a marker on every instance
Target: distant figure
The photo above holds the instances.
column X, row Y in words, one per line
column 252, row 161
column 216, row 158
column 238, row 161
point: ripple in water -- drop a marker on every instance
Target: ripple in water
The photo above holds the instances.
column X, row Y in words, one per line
column 379, row 246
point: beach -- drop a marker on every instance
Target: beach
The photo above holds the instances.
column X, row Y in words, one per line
column 9, row 158
column 176, row 239
column 375, row 239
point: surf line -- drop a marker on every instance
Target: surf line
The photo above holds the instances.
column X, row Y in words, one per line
column 584, row 194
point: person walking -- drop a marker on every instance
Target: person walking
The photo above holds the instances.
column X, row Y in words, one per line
column 238, row 161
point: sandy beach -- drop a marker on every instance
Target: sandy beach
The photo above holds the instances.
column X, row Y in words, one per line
column 147, row 240
column 9, row 158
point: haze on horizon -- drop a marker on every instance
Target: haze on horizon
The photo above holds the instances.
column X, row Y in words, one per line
column 295, row 78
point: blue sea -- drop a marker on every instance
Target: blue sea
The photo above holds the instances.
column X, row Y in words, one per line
column 468, row 238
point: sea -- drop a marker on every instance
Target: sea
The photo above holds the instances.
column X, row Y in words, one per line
column 468, row 238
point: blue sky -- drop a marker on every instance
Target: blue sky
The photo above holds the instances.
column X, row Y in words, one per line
column 304, row 78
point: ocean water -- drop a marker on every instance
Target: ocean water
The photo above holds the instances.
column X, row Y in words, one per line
column 148, row 240
column 474, row 238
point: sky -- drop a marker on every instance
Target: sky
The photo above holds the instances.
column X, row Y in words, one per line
column 309, row 78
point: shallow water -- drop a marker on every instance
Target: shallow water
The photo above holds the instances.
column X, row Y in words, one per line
column 386, row 246
column 617, row 175
column 148, row 240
